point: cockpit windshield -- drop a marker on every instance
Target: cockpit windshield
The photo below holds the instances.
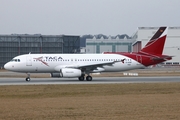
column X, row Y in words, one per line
column 15, row 60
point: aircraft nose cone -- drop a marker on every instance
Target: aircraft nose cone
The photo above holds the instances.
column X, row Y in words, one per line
column 7, row 66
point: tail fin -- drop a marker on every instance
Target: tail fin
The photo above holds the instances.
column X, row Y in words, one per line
column 155, row 45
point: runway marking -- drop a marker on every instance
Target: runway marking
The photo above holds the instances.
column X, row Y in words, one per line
column 96, row 80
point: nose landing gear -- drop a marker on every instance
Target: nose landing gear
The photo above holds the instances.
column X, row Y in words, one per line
column 28, row 77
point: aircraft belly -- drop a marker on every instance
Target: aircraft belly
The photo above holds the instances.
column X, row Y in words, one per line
column 123, row 67
column 35, row 68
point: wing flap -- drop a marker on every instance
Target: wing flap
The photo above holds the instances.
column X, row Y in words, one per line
column 89, row 67
column 92, row 65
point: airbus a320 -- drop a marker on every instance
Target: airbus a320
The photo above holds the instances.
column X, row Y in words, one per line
column 82, row 65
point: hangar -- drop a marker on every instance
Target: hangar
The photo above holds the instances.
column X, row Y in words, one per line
column 108, row 45
column 16, row 44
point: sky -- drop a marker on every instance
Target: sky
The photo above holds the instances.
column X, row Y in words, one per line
column 80, row 17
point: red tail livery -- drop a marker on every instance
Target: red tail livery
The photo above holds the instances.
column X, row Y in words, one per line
column 152, row 52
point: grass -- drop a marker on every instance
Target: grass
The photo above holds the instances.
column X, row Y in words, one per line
column 143, row 101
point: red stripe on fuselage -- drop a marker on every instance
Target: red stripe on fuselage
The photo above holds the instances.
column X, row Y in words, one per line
column 144, row 59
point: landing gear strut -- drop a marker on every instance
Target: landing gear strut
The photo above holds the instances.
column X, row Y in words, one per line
column 28, row 77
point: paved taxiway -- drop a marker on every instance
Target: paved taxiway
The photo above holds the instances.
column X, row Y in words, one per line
column 96, row 80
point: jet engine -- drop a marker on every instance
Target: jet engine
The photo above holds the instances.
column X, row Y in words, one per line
column 67, row 73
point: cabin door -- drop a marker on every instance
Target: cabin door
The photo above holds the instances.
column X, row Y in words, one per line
column 28, row 61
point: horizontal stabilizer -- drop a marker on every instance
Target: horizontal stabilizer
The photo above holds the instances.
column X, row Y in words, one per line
column 163, row 58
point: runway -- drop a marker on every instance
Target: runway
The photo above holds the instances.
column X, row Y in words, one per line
column 96, row 80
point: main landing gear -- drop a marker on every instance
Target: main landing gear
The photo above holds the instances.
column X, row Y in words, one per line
column 88, row 78
column 81, row 78
column 28, row 77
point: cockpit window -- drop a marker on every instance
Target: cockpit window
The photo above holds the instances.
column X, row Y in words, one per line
column 15, row 60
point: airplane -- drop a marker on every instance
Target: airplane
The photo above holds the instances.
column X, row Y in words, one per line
column 80, row 65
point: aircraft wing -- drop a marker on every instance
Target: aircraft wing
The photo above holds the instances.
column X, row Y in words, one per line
column 92, row 64
column 92, row 67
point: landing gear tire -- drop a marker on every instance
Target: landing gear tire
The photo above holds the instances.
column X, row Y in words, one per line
column 81, row 78
column 89, row 78
column 28, row 79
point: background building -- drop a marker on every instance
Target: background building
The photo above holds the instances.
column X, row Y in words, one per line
column 172, row 45
column 17, row 44
column 108, row 45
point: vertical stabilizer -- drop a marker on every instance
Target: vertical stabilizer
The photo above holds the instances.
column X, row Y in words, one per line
column 155, row 45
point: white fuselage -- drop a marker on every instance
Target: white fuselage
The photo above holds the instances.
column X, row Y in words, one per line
column 49, row 63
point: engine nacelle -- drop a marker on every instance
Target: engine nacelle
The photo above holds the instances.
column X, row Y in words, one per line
column 67, row 73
